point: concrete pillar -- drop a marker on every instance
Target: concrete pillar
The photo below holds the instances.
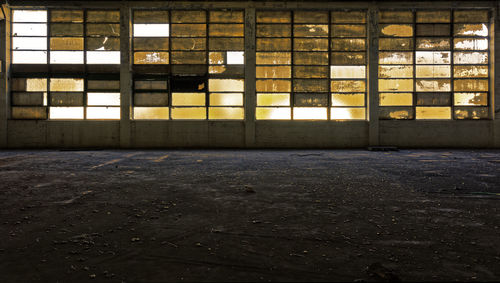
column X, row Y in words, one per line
column 125, row 77
column 373, row 98
column 4, row 75
column 250, row 96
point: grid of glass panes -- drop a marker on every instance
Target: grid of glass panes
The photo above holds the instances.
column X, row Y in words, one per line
column 470, row 64
column 226, row 33
column 348, row 65
column 438, row 72
column 396, row 69
column 151, row 46
column 74, row 37
column 311, row 65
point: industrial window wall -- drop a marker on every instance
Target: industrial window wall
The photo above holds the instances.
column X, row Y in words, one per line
column 308, row 65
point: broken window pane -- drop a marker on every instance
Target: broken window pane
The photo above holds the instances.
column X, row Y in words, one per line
column 29, row 16
column 396, row 58
column 347, row 114
column 470, row 57
column 470, row 71
column 430, row 43
column 433, row 57
column 396, row 113
column 471, row 112
column 151, row 58
column 309, row 113
column 470, row 44
column 151, row 30
column 106, row 43
column 470, row 29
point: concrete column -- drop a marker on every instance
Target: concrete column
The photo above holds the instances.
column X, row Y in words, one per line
column 373, row 97
column 250, row 96
column 125, row 77
column 4, row 75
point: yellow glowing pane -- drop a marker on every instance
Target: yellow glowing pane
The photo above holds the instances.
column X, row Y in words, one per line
column 470, row 44
column 34, row 84
column 433, row 113
column 103, row 98
column 273, row 58
column 395, row 71
column 347, row 113
column 66, row 43
column 395, row 85
column 29, row 57
column 144, row 113
column 151, row 58
column 103, row 112
column 396, row 99
column 433, row 71
column 273, row 99
column 66, row 84
column 226, row 99
column 348, row 99
column 151, row 30
column 274, row 113
column 470, row 85
column 232, row 113
column 103, row 57
column 31, row 16
column 310, row 113
column 470, row 71
column 433, row 57
column 66, row 112
column 397, row 30
column 188, row 99
column 347, row 86
column 433, row 85
column 220, row 69
column 472, row 99
column 347, row 72
column 189, row 113
column 216, row 58
column 273, row 72
column 226, row 85
column 470, row 57
column 66, row 57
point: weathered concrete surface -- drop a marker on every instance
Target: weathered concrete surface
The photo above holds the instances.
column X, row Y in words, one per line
column 261, row 215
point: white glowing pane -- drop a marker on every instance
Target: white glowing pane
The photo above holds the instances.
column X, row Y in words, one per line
column 29, row 57
column 225, row 85
column 103, row 112
column 309, row 113
column 151, row 113
column 103, row 57
column 30, row 16
column 347, row 72
column 103, row 98
column 347, row 113
column 273, row 113
column 226, row 99
column 66, row 57
column 66, row 112
column 33, row 43
column 235, row 57
column 151, row 30
column 29, row 30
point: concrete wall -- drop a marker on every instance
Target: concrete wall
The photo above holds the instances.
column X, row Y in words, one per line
column 128, row 133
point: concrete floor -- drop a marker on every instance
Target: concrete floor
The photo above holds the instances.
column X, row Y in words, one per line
column 249, row 215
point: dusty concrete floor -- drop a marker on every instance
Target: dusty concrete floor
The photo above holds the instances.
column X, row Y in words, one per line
column 249, row 215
